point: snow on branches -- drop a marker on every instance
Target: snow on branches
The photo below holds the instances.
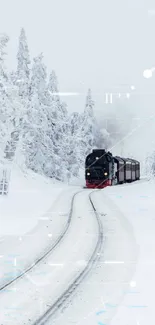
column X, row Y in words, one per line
column 36, row 128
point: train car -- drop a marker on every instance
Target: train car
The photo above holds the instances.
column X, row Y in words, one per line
column 120, row 176
column 133, row 170
column 127, row 170
column 137, row 169
column 102, row 169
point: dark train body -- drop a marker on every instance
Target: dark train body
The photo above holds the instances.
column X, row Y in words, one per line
column 103, row 169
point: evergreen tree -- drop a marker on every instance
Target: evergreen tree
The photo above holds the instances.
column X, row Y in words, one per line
column 23, row 70
column 53, row 82
column 88, row 126
column 10, row 108
column 35, row 127
column 150, row 165
column 3, row 43
column 73, row 145
column 35, row 123
column 5, row 109
column 58, row 119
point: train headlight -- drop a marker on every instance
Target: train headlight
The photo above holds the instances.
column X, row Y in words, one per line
column 88, row 174
column 105, row 174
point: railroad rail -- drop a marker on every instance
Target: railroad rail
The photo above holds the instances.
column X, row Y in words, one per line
column 62, row 300
column 48, row 252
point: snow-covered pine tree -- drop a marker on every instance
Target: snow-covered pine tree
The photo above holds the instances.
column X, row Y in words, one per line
column 59, row 108
column 23, row 62
column 58, row 118
column 35, row 125
column 3, row 43
column 4, row 123
column 87, row 130
column 7, row 116
column 19, row 82
column 10, row 110
column 53, row 143
column 87, row 133
column 149, row 168
column 81, row 136
column 53, row 84
column 73, row 145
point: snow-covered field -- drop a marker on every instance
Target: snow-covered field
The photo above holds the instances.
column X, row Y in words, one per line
column 31, row 218
column 118, row 291
column 29, row 198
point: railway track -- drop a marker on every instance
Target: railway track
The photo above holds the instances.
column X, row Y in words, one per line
column 63, row 299
column 49, row 251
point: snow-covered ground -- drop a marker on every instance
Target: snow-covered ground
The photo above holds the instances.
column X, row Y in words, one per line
column 29, row 198
column 120, row 289
column 33, row 294
column 138, row 204
column 32, row 217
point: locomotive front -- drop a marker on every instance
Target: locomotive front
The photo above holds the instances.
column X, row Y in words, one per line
column 99, row 169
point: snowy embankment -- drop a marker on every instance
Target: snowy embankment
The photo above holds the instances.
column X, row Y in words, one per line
column 138, row 204
column 110, row 278
column 32, row 295
column 32, row 216
column 121, row 289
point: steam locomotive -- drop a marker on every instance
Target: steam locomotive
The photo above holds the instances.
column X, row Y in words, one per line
column 103, row 169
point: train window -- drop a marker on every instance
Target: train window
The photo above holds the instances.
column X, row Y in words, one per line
column 128, row 167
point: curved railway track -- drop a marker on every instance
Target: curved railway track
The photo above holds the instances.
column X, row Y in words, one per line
column 49, row 251
column 62, row 300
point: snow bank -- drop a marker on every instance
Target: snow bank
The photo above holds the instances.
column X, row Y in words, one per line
column 32, row 217
column 137, row 202
column 28, row 299
column 120, row 291
column 29, row 197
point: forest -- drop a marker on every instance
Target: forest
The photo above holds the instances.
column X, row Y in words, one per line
column 37, row 132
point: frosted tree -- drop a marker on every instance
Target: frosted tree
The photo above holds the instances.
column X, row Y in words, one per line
column 23, row 70
column 6, row 111
column 53, row 83
column 39, row 126
column 38, row 78
column 10, row 109
column 19, row 82
column 58, row 120
column 59, row 108
column 81, row 136
column 73, row 144
column 3, row 43
column 149, row 168
column 34, row 124
column 35, row 119
column 88, row 126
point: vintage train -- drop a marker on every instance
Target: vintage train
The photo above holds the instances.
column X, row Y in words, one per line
column 103, row 169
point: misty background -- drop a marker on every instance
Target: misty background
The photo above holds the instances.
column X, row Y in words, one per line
column 102, row 45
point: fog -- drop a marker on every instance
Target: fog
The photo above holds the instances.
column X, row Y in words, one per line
column 97, row 44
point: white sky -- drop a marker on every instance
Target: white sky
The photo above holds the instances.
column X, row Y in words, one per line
column 90, row 43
